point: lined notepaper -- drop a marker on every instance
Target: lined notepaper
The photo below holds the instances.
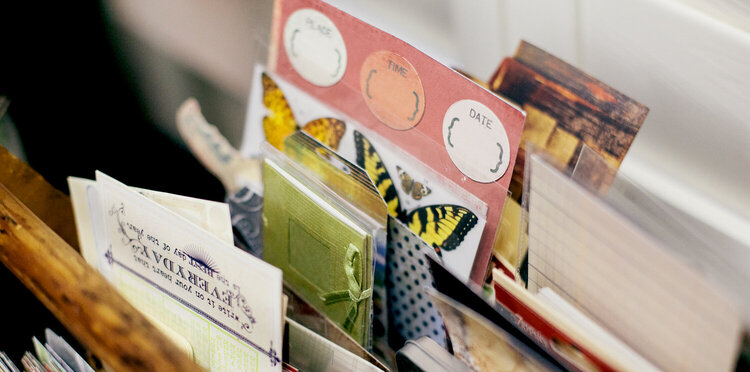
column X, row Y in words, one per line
column 623, row 278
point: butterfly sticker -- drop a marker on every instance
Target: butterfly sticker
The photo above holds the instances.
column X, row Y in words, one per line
column 415, row 189
column 443, row 226
column 280, row 122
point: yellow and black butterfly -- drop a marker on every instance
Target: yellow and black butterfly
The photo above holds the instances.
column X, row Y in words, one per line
column 415, row 189
column 281, row 123
column 443, row 226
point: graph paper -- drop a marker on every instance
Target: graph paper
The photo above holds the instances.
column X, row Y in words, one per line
column 624, row 279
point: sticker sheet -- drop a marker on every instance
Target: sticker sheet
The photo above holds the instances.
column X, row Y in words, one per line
column 416, row 195
column 439, row 118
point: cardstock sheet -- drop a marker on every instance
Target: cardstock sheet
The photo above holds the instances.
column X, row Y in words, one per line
column 66, row 352
column 225, row 302
column 310, row 318
column 412, row 314
column 312, row 352
column 45, row 357
column 624, row 279
column 568, row 113
column 457, row 128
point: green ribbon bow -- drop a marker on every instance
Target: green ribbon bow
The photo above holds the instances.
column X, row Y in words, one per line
column 355, row 294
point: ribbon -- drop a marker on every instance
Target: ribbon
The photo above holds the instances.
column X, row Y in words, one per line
column 355, row 294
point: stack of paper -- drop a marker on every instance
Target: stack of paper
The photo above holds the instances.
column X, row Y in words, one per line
column 54, row 355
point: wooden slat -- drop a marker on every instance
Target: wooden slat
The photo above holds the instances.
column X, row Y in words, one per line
column 80, row 297
column 48, row 203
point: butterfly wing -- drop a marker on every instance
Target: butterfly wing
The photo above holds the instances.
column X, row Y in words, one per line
column 280, row 122
column 419, row 191
column 326, row 130
column 411, row 187
column 407, row 183
column 442, row 226
column 370, row 161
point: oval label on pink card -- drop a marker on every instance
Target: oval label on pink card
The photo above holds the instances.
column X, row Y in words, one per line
column 315, row 47
column 476, row 141
column 392, row 90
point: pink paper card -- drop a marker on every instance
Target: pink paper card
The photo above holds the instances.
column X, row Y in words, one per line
column 460, row 130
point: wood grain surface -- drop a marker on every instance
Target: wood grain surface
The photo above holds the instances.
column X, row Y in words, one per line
column 50, row 204
column 567, row 109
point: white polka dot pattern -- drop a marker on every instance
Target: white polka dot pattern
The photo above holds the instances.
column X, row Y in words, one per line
column 412, row 313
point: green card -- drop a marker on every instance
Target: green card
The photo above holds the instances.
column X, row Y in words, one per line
column 323, row 245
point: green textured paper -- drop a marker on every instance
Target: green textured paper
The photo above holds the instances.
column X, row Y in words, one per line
column 310, row 244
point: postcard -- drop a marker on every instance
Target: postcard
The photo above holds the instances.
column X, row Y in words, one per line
column 440, row 118
column 212, row 216
column 566, row 109
column 225, row 302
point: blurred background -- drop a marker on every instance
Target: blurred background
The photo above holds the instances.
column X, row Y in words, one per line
column 95, row 85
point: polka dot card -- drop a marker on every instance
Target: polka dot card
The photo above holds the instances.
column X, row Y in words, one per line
column 411, row 312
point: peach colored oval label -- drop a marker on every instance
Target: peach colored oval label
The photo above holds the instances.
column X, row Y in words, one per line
column 392, row 90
